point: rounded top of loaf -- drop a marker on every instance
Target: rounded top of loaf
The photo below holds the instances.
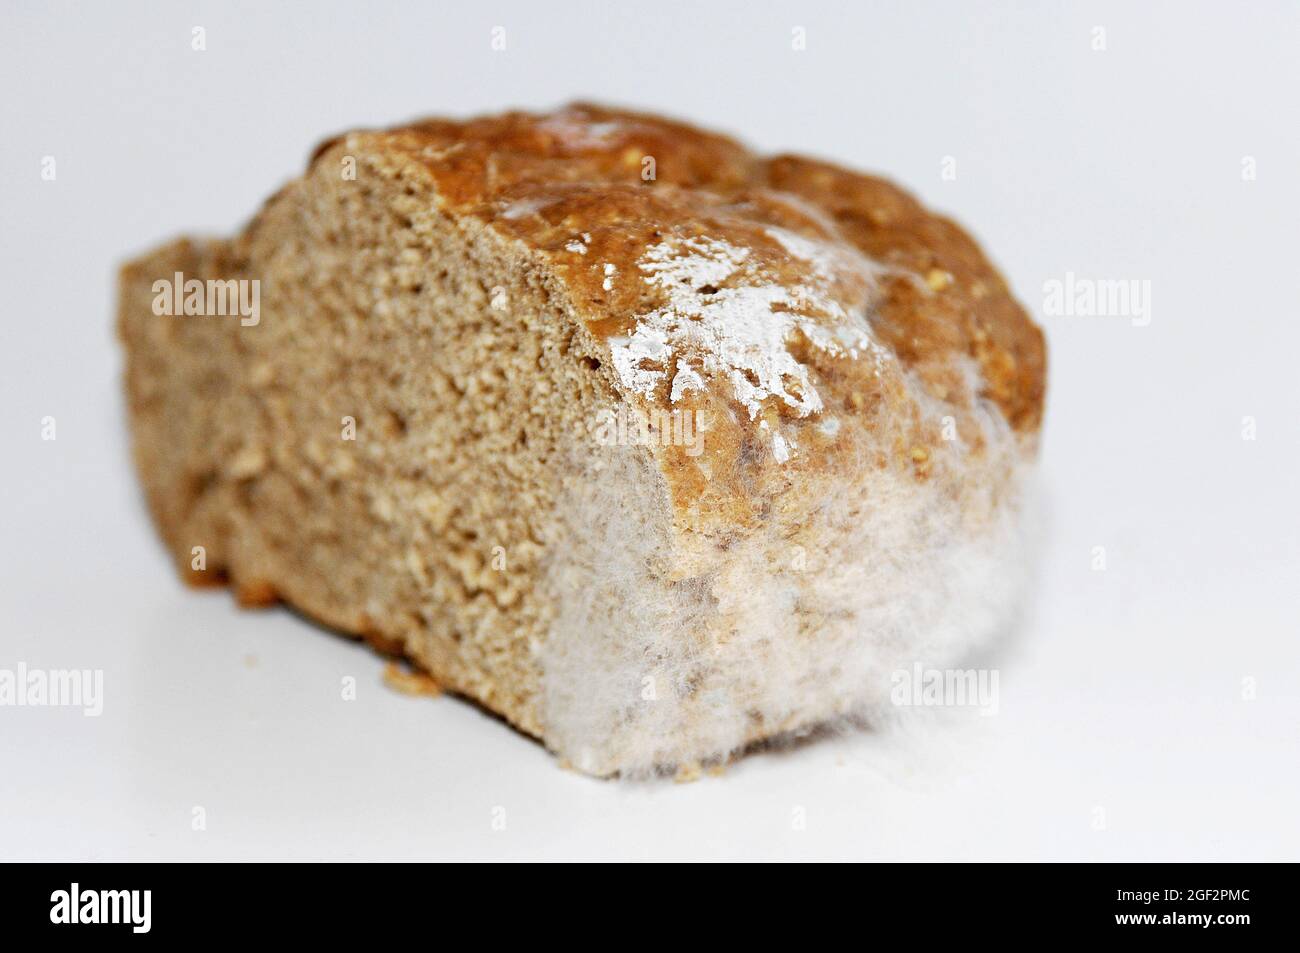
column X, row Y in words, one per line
column 808, row 311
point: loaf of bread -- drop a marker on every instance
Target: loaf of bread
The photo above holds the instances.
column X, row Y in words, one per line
column 655, row 447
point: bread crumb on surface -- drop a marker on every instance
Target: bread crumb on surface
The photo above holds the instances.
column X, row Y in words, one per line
column 410, row 682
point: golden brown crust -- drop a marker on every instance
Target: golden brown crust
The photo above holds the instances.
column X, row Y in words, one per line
column 583, row 170
column 892, row 305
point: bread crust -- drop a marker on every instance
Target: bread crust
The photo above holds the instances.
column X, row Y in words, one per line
column 591, row 190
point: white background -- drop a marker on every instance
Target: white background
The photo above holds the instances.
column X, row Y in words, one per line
column 1121, row 701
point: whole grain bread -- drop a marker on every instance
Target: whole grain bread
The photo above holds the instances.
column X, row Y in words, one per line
column 652, row 445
